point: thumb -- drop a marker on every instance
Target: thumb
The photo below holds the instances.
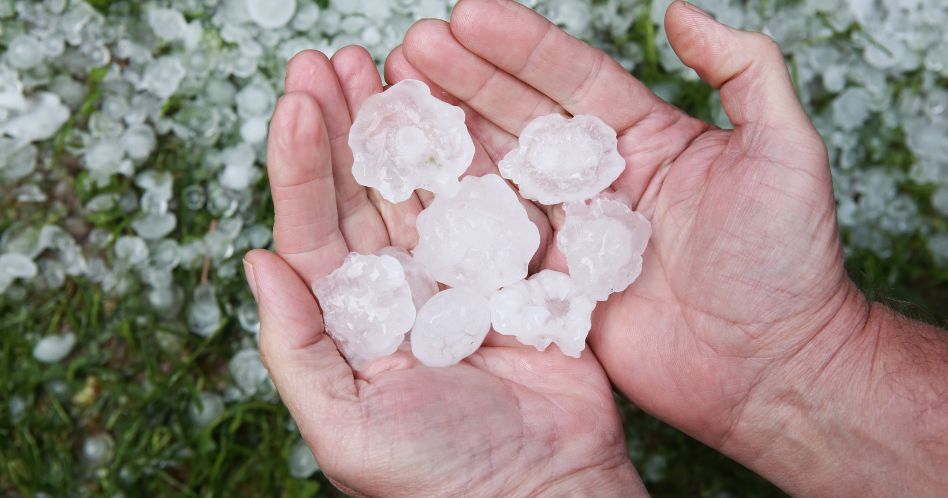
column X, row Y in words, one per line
column 747, row 67
column 314, row 381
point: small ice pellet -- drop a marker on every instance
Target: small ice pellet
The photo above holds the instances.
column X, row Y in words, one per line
column 450, row 327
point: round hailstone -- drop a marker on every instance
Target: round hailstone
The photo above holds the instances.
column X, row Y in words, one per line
column 206, row 408
column 367, row 307
column 302, row 463
column 481, row 238
column 271, row 14
column 404, row 138
column 450, row 327
column 562, row 159
column 54, row 348
column 546, row 308
column 419, row 281
column 603, row 243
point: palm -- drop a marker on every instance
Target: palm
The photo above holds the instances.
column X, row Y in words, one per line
column 506, row 412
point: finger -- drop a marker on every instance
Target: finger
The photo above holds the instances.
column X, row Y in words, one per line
column 305, row 225
column 313, row 379
column 496, row 95
column 748, row 68
column 360, row 80
column 311, row 72
column 580, row 78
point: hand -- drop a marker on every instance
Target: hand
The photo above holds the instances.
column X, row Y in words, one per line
column 509, row 420
column 744, row 273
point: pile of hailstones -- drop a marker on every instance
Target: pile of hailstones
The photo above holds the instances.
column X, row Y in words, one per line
column 475, row 237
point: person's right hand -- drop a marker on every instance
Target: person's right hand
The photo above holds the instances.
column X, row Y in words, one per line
column 743, row 277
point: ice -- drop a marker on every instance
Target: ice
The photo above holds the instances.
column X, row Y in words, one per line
column 204, row 314
column 104, row 156
column 940, row 199
column 481, row 238
column 54, row 348
column 851, row 108
column 24, row 52
column 17, row 265
column 450, row 327
column 254, row 130
column 545, row 309
column 419, row 280
column 562, row 159
column 367, row 307
column 163, row 76
column 132, row 251
column 206, row 408
column 306, row 16
column 301, row 462
column 404, row 138
column 167, row 24
column 40, row 119
column 271, row 14
column 97, row 449
column 255, row 100
column 153, row 226
column 249, row 373
column 603, row 243
column 139, row 141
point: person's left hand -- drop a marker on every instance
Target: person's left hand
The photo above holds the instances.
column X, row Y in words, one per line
column 509, row 420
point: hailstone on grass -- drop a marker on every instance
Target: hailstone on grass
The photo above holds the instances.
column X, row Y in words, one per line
column 603, row 243
column 450, row 327
column 546, row 308
column 562, row 159
column 481, row 238
column 367, row 307
column 404, row 138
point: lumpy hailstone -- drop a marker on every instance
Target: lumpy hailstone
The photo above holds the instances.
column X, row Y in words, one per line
column 481, row 238
column 562, row 159
column 404, row 138
column 545, row 309
column 450, row 327
column 603, row 243
column 419, row 281
column 367, row 307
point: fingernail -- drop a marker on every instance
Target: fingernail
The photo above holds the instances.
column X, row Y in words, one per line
column 694, row 8
column 248, row 273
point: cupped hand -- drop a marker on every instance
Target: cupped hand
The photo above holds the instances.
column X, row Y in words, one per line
column 744, row 269
column 508, row 420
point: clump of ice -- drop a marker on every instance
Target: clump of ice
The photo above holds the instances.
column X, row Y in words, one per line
column 301, row 462
column 419, row 280
column 603, row 243
column 450, row 327
column 404, row 138
column 54, row 348
column 562, row 159
column 367, row 306
column 544, row 309
column 481, row 238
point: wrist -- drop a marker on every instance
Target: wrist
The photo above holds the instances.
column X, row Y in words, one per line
column 841, row 416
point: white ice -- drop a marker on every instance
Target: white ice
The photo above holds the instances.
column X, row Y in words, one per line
column 544, row 309
column 419, row 280
column 562, row 159
column 450, row 327
column 54, row 348
column 367, row 306
column 404, row 138
column 603, row 243
column 271, row 14
column 481, row 238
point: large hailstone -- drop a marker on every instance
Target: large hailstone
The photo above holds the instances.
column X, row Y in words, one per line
column 544, row 309
column 603, row 243
column 562, row 159
column 419, row 281
column 404, row 138
column 450, row 327
column 481, row 238
column 367, row 307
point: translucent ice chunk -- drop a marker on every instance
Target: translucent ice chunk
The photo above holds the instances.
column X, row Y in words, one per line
column 53, row 348
column 450, row 327
column 603, row 243
column 404, row 139
column 301, row 462
column 271, row 14
column 481, row 238
column 367, row 307
column 546, row 308
column 419, row 281
column 41, row 118
column 563, row 159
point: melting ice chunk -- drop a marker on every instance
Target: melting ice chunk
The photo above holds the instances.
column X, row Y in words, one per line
column 450, row 327
column 562, row 159
column 367, row 307
column 481, row 238
column 603, row 243
column 419, row 281
column 546, row 308
column 404, row 138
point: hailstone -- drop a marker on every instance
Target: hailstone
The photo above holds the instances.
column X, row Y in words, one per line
column 562, row 159
column 603, row 243
column 419, row 281
column 544, row 309
column 404, row 138
column 481, row 238
column 367, row 307
column 450, row 327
